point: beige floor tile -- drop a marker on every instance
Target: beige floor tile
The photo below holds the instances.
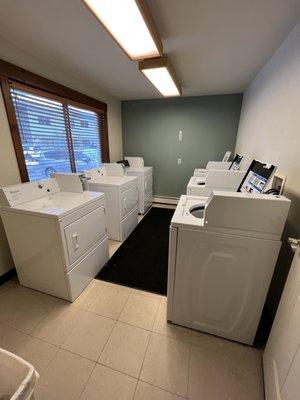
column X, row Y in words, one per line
column 90, row 335
column 125, row 349
column 36, row 352
column 113, row 247
column 64, row 378
column 149, row 294
column 214, row 376
column 140, row 311
column 88, row 295
column 110, row 302
column 117, row 286
column 178, row 332
column 10, row 338
column 107, row 384
column 166, row 364
column 23, row 308
column 145, row 391
column 58, row 324
column 249, row 373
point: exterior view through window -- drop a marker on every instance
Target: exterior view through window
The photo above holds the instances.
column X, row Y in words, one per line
column 56, row 137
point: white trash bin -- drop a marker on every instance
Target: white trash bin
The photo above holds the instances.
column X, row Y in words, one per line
column 17, row 377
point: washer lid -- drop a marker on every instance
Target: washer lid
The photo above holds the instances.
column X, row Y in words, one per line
column 190, row 211
column 116, row 181
column 196, row 182
column 59, row 204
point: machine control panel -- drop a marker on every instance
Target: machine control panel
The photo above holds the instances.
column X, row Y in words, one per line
column 17, row 194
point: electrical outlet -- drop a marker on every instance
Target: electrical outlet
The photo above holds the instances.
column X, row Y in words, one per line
column 180, row 136
column 179, row 161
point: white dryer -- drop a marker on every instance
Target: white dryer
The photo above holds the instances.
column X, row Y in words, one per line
column 145, row 181
column 222, row 254
column 121, row 197
column 215, row 180
column 58, row 239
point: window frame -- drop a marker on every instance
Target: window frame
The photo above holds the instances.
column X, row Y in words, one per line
column 11, row 74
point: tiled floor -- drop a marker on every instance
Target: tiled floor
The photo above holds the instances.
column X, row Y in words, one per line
column 114, row 343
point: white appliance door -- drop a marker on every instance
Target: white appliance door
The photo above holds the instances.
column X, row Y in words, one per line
column 84, row 233
column 282, row 353
column 129, row 200
column 221, row 282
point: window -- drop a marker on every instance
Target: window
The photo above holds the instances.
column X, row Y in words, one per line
column 55, row 136
column 53, row 127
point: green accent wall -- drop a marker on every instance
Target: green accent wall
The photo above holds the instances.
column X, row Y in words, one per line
column 151, row 129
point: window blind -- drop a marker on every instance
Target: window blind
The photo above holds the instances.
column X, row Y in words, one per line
column 56, row 136
column 84, row 125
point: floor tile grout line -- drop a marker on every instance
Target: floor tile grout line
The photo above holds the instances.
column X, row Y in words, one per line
column 135, row 389
column 146, row 351
column 165, row 390
column 215, row 350
column 87, row 381
column 104, row 346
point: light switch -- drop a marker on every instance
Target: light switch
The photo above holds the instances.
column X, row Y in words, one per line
column 179, row 161
column 180, row 136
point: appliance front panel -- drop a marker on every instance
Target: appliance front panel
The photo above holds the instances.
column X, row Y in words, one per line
column 221, row 282
column 80, row 276
column 129, row 200
column 84, row 233
column 148, row 184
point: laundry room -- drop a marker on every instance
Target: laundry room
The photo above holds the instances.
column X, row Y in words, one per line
column 149, row 200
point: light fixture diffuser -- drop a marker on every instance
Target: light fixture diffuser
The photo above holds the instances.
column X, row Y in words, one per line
column 161, row 74
column 130, row 23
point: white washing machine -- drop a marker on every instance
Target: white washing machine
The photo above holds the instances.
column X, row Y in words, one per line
column 58, row 239
column 215, row 180
column 221, row 165
column 222, row 254
column 121, row 197
column 145, row 181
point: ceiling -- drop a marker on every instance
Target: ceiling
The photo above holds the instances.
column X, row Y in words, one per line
column 216, row 46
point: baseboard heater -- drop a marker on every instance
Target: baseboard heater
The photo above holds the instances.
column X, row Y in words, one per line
column 165, row 200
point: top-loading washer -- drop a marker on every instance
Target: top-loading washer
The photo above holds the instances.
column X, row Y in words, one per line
column 121, row 197
column 215, row 180
column 222, row 255
column 58, row 238
column 220, row 165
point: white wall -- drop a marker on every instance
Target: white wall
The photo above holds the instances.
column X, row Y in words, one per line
column 270, row 119
column 269, row 129
column 9, row 172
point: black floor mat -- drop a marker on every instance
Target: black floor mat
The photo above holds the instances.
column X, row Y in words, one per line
column 142, row 260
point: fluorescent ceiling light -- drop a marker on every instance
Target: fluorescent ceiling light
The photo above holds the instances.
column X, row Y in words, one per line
column 162, row 75
column 130, row 23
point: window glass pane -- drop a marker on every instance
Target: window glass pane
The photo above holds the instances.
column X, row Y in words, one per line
column 43, row 134
column 86, row 138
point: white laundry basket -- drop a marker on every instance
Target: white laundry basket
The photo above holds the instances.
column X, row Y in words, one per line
column 17, row 377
